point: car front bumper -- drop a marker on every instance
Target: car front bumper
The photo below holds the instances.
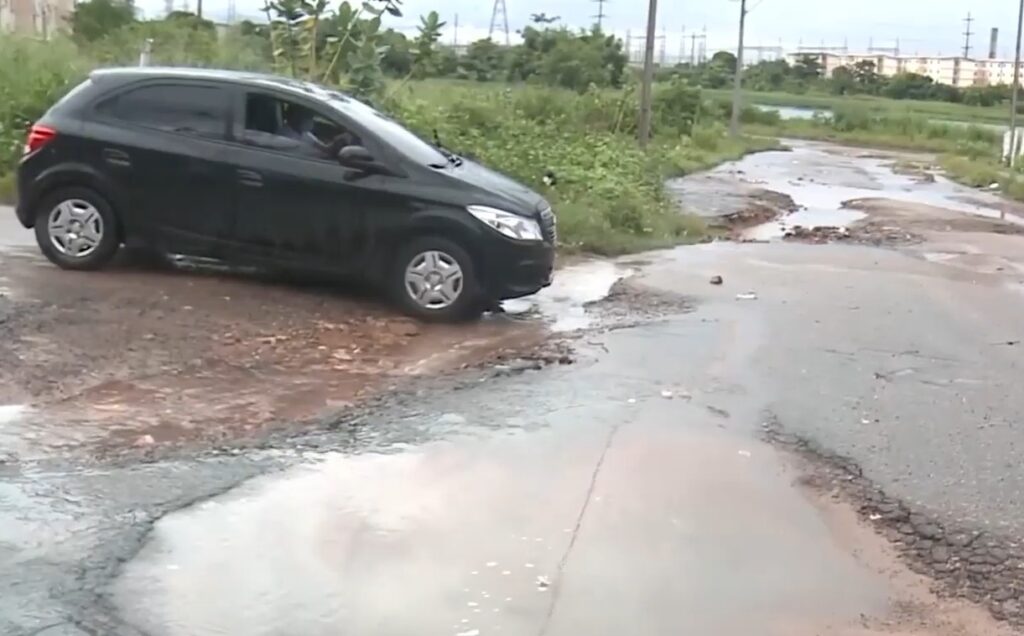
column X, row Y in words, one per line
column 513, row 269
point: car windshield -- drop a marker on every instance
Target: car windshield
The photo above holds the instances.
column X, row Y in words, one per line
column 390, row 131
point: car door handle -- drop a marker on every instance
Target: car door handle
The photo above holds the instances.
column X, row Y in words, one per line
column 116, row 157
column 250, row 178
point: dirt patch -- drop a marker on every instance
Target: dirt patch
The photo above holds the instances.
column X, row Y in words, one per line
column 762, row 206
column 967, row 563
column 869, row 233
column 137, row 356
column 630, row 303
column 918, row 217
column 919, row 171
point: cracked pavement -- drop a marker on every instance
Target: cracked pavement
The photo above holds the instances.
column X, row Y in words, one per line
column 631, row 492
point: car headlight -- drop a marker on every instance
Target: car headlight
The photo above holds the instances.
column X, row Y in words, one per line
column 511, row 225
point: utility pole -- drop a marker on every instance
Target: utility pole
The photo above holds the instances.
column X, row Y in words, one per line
column 693, row 50
column 1016, row 87
column 664, row 42
column 644, row 125
column 601, row 15
column 455, row 36
column 682, row 45
column 967, row 35
column 737, row 90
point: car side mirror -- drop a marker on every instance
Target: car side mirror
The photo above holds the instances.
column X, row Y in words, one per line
column 359, row 158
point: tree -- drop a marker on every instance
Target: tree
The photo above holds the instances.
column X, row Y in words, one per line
column 867, row 79
column 843, row 80
column 807, row 68
column 908, row 86
column 767, row 75
column 397, row 60
column 94, row 19
column 484, row 61
column 725, row 61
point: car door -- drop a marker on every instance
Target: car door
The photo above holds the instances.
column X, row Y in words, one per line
column 291, row 205
column 165, row 144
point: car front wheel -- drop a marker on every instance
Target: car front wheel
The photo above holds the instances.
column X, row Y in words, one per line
column 434, row 280
column 76, row 229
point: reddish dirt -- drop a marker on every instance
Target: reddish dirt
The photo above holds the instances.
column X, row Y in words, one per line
column 143, row 355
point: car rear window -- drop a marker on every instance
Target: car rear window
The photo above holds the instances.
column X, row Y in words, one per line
column 184, row 109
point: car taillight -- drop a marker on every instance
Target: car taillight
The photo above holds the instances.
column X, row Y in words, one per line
column 39, row 136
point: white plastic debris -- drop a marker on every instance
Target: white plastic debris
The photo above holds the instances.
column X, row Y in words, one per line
column 472, row 603
column 527, row 565
column 631, row 400
column 471, row 632
column 864, row 420
column 543, row 582
column 506, row 572
column 874, row 517
column 666, row 394
column 746, row 296
column 744, row 453
column 491, row 564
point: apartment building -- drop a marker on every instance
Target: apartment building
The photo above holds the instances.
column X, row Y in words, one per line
column 41, row 18
column 951, row 70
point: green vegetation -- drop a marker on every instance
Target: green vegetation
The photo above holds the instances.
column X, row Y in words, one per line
column 876, row 104
column 805, row 78
column 572, row 109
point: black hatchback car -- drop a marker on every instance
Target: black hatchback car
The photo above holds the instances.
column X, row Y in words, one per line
column 266, row 170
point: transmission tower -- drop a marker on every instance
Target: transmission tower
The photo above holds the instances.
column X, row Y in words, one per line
column 967, row 35
column 499, row 7
column 232, row 13
column 601, row 15
column 168, row 7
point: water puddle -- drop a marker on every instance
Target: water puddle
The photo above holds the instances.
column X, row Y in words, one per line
column 563, row 304
column 12, row 413
column 461, row 539
column 822, row 182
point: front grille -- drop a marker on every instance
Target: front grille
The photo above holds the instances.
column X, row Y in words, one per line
column 549, row 225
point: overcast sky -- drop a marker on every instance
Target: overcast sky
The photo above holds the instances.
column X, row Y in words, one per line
column 922, row 26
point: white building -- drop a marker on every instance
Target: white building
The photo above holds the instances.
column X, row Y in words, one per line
column 950, row 70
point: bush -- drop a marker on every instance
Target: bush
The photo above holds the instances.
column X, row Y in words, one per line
column 850, row 117
column 33, row 75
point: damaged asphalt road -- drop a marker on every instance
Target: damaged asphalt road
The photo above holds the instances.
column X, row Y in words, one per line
column 723, row 466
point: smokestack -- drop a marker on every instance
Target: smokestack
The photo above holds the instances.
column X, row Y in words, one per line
column 993, row 43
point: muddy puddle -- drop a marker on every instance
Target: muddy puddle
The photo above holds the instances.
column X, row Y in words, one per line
column 833, row 187
column 456, row 538
column 563, row 305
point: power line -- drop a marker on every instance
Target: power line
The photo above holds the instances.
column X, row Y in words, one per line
column 967, row 35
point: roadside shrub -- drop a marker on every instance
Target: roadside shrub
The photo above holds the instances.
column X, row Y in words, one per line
column 33, row 75
column 850, row 117
column 675, row 106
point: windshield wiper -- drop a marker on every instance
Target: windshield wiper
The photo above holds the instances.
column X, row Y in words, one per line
column 452, row 158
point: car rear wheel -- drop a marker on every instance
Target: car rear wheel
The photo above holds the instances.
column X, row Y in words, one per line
column 76, row 229
column 434, row 279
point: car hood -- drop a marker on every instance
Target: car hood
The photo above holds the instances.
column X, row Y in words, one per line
column 521, row 199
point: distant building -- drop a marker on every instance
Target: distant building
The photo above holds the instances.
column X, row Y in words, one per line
column 41, row 18
column 951, row 70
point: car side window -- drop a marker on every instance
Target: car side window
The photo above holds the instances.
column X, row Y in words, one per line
column 285, row 126
column 191, row 110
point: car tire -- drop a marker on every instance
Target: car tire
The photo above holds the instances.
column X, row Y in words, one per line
column 434, row 279
column 76, row 229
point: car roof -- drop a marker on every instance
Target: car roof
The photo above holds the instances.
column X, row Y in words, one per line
column 251, row 78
